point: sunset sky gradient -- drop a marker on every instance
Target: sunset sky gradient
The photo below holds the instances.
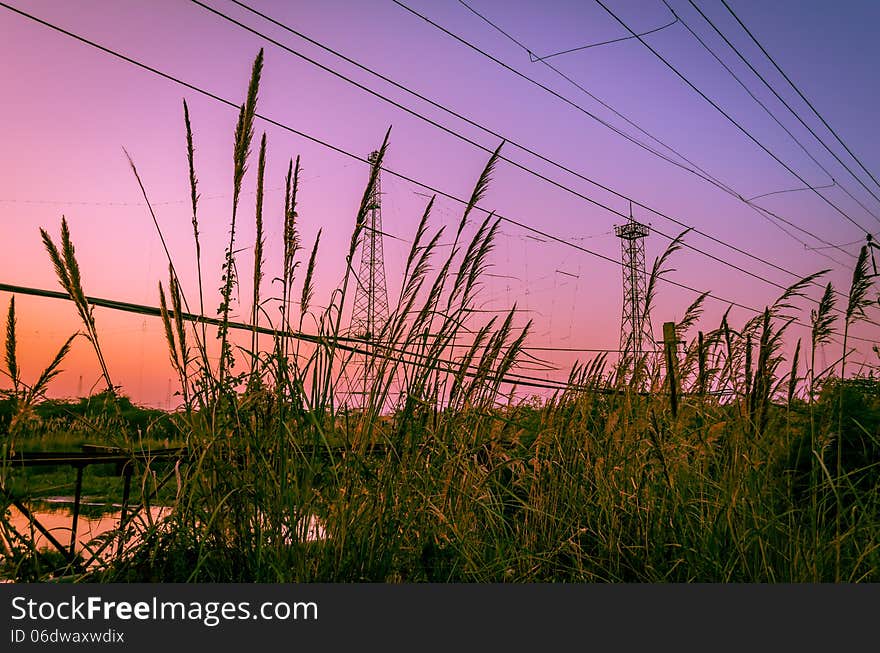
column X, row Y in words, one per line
column 68, row 110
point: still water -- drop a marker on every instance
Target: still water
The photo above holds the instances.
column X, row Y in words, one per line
column 56, row 516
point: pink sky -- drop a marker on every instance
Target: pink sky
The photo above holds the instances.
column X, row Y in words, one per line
column 68, row 110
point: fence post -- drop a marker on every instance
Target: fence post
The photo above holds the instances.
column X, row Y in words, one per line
column 126, row 488
column 701, row 359
column 76, row 501
column 669, row 341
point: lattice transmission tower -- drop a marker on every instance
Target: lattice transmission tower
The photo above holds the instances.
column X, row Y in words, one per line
column 635, row 323
column 370, row 311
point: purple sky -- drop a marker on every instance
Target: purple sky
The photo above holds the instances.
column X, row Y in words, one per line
column 68, row 110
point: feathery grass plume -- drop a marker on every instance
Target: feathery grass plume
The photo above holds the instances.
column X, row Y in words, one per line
column 472, row 267
column 417, row 266
column 281, row 340
column 52, row 370
column 424, row 321
column 594, row 372
column 258, row 257
column 480, row 386
column 366, row 205
column 175, row 334
column 11, row 359
column 473, row 263
column 169, row 331
column 421, row 230
column 414, row 279
column 783, row 303
column 512, row 353
column 479, row 191
column 208, row 376
column 430, row 311
column 291, row 244
column 177, row 305
column 455, row 402
column 658, row 269
column 244, row 133
column 708, row 349
column 768, row 361
column 415, row 271
column 308, row 290
column 244, row 130
column 291, row 234
column 701, row 364
column 747, row 371
column 25, row 397
column 322, row 388
column 629, row 364
column 691, row 315
column 67, row 269
column 857, row 302
column 499, row 338
column 822, row 321
column 793, row 376
column 728, row 370
column 194, row 199
column 287, row 204
column 480, row 263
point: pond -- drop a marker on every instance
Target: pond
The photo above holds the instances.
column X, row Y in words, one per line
column 56, row 516
column 95, row 519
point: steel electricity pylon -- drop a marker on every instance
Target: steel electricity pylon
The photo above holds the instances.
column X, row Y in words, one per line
column 635, row 323
column 370, row 311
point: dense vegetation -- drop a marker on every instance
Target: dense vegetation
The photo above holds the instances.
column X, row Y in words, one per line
column 766, row 470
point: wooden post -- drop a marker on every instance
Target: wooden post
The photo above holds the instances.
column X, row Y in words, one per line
column 701, row 359
column 669, row 342
column 65, row 551
column 126, row 488
column 76, row 500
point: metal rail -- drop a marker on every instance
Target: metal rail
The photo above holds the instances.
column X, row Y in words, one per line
column 79, row 460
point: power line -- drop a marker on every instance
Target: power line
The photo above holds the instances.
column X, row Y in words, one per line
column 476, row 144
column 702, row 174
column 802, row 96
column 793, row 190
column 851, row 243
column 754, row 97
column 758, row 101
column 399, row 175
column 600, row 43
column 493, row 133
column 736, row 124
column 340, row 342
column 350, row 344
column 787, row 106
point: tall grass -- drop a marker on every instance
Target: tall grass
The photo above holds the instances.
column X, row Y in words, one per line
column 450, row 480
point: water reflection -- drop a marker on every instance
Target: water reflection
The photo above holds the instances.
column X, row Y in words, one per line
column 56, row 516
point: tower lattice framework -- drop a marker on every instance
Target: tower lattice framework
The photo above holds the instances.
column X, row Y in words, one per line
column 370, row 310
column 635, row 324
